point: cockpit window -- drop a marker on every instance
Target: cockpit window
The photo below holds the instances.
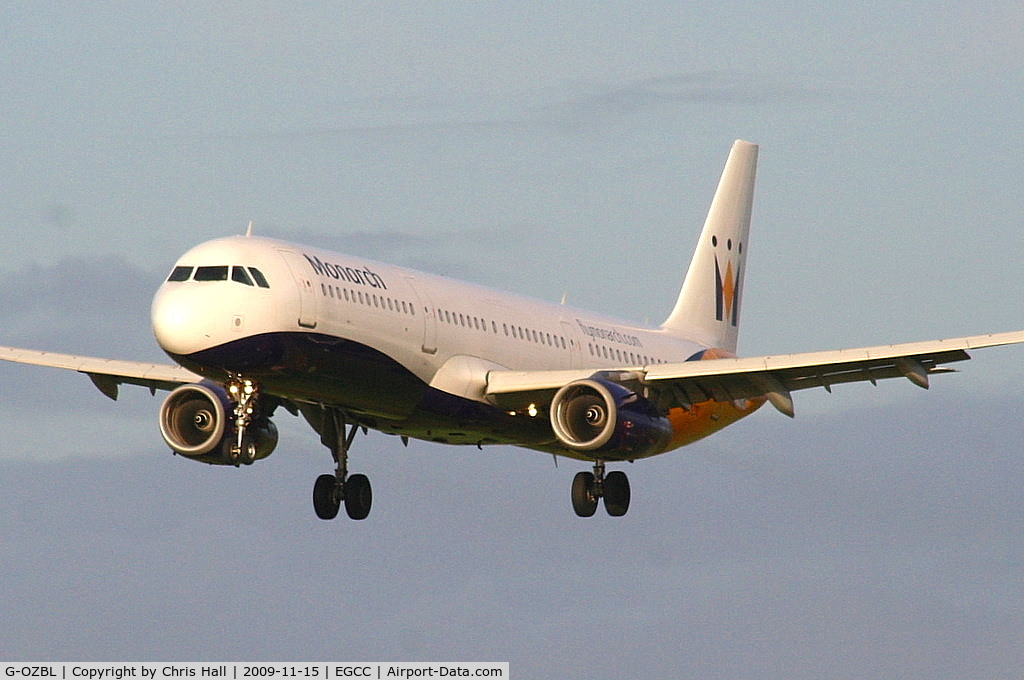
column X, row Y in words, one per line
column 180, row 274
column 258, row 276
column 239, row 275
column 249, row 276
column 218, row 273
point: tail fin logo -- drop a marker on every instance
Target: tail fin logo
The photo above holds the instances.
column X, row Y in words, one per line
column 727, row 291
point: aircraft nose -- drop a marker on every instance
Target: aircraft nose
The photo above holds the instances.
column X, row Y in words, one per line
column 177, row 317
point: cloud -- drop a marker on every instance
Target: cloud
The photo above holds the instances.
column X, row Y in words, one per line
column 882, row 542
column 78, row 305
column 589, row 102
column 94, row 306
column 568, row 105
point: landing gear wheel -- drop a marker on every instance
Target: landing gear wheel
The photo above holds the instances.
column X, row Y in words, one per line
column 326, row 499
column 616, row 493
column 243, row 456
column 358, row 496
column 330, row 490
column 584, row 500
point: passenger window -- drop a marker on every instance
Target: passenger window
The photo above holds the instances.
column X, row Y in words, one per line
column 180, row 274
column 238, row 275
column 211, row 274
column 258, row 277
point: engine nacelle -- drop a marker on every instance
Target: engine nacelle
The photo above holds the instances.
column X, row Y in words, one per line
column 196, row 421
column 606, row 420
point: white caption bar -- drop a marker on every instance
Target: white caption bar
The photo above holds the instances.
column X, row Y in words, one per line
column 246, row 671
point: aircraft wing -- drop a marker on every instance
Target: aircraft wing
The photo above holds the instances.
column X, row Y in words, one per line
column 106, row 374
column 772, row 377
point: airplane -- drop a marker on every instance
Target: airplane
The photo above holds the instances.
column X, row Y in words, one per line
column 254, row 324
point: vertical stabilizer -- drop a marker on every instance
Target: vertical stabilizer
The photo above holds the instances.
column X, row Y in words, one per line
column 708, row 308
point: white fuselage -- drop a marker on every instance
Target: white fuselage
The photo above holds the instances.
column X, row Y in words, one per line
column 421, row 321
column 372, row 334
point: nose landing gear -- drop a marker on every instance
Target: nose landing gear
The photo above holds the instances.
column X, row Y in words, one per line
column 245, row 395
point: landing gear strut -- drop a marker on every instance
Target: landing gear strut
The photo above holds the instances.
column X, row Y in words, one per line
column 245, row 395
column 330, row 491
column 589, row 487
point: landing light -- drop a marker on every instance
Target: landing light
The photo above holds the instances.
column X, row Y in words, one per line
column 532, row 410
column 246, row 387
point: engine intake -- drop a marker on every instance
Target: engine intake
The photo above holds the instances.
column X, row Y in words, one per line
column 196, row 422
column 604, row 418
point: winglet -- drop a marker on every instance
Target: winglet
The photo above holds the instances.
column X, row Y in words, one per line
column 708, row 308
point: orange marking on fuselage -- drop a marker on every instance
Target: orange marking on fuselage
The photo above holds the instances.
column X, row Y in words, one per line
column 708, row 417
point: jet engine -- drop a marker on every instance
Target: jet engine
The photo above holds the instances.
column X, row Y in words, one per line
column 197, row 421
column 606, row 420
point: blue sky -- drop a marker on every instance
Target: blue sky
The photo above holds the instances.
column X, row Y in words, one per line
column 549, row 149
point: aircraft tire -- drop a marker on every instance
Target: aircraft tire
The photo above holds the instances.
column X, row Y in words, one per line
column 584, row 502
column 358, row 496
column 616, row 493
column 325, row 497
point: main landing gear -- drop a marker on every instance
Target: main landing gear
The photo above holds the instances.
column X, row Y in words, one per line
column 588, row 487
column 330, row 491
